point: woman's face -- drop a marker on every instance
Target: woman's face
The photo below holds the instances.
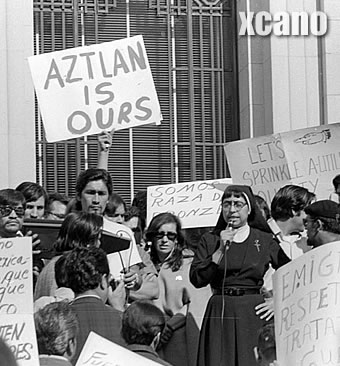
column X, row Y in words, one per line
column 166, row 239
column 235, row 211
column 118, row 216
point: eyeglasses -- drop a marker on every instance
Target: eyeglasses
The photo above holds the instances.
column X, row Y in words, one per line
column 7, row 210
column 58, row 215
column 237, row 205
column 161, row 234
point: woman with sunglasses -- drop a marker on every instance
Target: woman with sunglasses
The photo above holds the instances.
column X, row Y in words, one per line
column 233, row 259
column 182, row 304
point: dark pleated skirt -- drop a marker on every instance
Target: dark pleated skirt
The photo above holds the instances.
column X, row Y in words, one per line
column 229, row 340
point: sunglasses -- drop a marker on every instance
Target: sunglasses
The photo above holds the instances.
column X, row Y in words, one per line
column 161, row 234
column 7, row 210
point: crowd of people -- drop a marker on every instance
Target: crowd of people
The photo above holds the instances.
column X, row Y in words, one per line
column 164, row 298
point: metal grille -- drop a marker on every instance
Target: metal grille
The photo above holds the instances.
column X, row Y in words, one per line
column 191, row 47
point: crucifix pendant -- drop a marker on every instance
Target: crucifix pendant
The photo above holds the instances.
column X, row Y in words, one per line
column 258, row 245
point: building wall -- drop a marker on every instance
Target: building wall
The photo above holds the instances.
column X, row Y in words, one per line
column 286, row 90
column 17, row 148
column 332, row 61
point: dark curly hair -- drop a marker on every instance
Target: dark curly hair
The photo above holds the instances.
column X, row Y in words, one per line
column 84, row 268
column 78, row 229
column 176, row 259
column 141, row 322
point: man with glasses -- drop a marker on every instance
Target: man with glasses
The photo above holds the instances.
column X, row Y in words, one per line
column 12, row 210
column 56, row 206
column 322, row 223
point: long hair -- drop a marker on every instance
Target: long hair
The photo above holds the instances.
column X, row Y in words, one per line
column 78, row 229
column 175, row 261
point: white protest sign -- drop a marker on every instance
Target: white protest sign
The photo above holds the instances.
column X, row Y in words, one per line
column 85, row 90
column 123, row 259
column 306, row 301
column 99, row 351
column 16, row 299
column 18, row 332
column 16, row 287
column 309, row 157
column 197, row 203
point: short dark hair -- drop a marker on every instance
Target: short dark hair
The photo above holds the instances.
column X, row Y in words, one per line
column 78, row 229
column 115, row 200
column 140, row 201
column 55, row 326
column 12, row 197
column 176, row 259
column 263, row 206
column 336, row 181
column 289, row 198
column 91, row 175
column 84, row 268
column 32, row 191
column 141, row 322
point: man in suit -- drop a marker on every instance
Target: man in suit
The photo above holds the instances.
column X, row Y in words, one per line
column 88, row 275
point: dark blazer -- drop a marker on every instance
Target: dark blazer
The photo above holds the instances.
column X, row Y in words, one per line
column 148, row 352
column 94, row 315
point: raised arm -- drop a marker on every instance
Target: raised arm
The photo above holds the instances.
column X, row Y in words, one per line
column 105, row 143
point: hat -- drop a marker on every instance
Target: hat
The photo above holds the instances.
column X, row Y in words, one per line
column 325, row 208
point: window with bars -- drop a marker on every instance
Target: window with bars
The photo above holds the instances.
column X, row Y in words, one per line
column 191, row 47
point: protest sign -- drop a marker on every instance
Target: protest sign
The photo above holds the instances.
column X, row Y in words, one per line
column 85, row 90
column 123, row 259
column 309, row 157
column 99, row 351
column 197, row 203
column 16, row 299
column 18, row 332
column 306, row 302
column 16, row 288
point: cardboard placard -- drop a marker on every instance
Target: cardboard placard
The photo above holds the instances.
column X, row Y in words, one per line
column 309, row 157
column 197, row 203
column 16, row 287
column 16, row 299
column 84, row 90
column 306, row 302
column 18, row 332
column 99, row 351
